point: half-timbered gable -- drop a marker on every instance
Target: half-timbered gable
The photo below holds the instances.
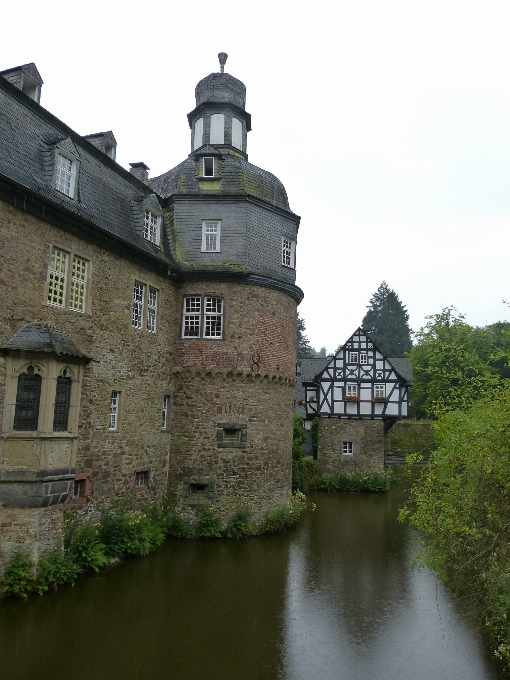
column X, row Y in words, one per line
column 359, row 382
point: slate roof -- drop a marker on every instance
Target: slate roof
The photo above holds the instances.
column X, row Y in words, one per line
column 310, row 368
column 40, row 337
column 238, row 177
column 107, row 195
column 403, row 366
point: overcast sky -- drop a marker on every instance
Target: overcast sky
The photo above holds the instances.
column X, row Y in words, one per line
column 387, row 122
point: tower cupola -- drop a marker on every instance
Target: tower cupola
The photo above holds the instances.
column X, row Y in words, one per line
column 219, row 118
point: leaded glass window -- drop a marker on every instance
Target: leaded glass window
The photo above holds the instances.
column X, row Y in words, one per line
column 58, row 277
column 64, row 175
column 211, row 232
column 151, row 227
column 192, row 317
column 114, row 411
column 62, row 402
column 138, row 301
column 152, row 310
column 26, row 414
column 288, row 250
column 78, row 284
column 213, row 318
column 142, row 478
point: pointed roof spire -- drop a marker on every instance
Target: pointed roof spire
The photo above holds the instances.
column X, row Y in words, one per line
column 222, row 56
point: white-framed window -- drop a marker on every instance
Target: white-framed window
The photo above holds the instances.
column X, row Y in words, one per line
column 208, row 166
column 353, row 357
column 152, row 309
column 138, row 304
column 199, row 134
column 114, row 411
column 67, row 289
column 288, row 252
column 165, row 415
column 363, row 358
column 203, row 317
column 351, row 390
column 217, row 133
column 65, row 174
column 237, row 133
column 152, row 227
column 347, row 448
column 145, row 307
column 211, row 233
column 379, row 390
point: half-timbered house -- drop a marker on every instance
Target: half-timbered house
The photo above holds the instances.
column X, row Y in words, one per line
column 358, row 394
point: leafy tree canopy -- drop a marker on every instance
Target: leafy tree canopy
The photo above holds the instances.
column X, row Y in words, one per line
column 455, row 364
column 304, row 350
column 387, row 322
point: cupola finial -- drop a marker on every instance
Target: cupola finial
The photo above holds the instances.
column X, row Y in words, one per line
column 222, row 56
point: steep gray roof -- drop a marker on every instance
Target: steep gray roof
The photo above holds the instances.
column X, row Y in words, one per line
column 40, row 337
column 238, row 177
column 310, row 368
column 403, row 366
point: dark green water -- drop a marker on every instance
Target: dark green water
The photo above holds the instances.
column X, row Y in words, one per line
column 333, row 599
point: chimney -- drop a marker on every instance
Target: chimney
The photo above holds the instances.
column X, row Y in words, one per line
column 140, row 171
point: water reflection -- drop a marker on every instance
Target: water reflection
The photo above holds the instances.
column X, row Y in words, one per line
column 333, row 599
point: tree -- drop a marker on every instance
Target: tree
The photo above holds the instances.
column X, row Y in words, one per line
column 452, row 364
column 304, row 351
column 387, row 322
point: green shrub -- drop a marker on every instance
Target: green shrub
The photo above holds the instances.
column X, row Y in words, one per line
column 19, row 580
column 376, row 482
column 298, row 437
column 143, row 534
column 284, row 517
column 84, row 546
column 238, row 526
column 113, row 529
column 314, row 434
column 209, row 523
column 179, row 527
column 303, row 473
column 55, row 570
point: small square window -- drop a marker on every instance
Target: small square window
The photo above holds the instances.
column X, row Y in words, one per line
column 203, row 317
column 201, row 490
column 347, row 448
column 379, row 390
column 208, row 166
column 353, row 357
column 288, row 252
column 352, row 390
column 80, row 489
column 141, row 480
column 211, row 233
column 231, row 435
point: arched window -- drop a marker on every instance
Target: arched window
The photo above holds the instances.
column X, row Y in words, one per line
column 62, row 402
column 26, row 414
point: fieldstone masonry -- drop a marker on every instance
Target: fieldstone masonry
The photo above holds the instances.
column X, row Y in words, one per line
column 367, row 437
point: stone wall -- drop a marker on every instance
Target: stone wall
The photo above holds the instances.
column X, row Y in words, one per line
column 367, row 437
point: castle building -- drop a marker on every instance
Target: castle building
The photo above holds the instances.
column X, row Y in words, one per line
column 148, row 333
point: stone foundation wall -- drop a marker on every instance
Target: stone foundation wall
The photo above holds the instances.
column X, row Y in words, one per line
column 367, row 437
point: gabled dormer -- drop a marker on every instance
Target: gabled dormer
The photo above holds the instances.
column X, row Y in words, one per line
column 27, row 79
column 208, row 161
column 359, row 382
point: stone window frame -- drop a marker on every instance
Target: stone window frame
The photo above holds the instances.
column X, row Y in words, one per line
column 49, row 368
column 166, row 412
column 288, row 252
column 227, row 441
column 348, row 448
column 68, row 281
column 191, row 497
column 152, row 226
column 115, row 410
column 143, row 475
column 144, row 312
column 211, row 237
column 197, row 319
column 83, row 481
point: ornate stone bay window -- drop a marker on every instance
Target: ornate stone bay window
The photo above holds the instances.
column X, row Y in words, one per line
column 40, row 417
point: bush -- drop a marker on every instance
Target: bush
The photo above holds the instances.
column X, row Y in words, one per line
column 298, row 437
column 238, row 526
column 179, row 527
column 209, row 523
column 314, row 434
column 303, row 473
column 84, row 546
column 19, row 579
column 284, row 517
column 375, row 482
column 55, row 570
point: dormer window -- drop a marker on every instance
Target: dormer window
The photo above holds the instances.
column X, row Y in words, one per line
column 65, row 174
column 151, row 227
column 208, row 166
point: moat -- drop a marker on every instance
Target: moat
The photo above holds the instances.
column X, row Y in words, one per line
column 334, row 599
